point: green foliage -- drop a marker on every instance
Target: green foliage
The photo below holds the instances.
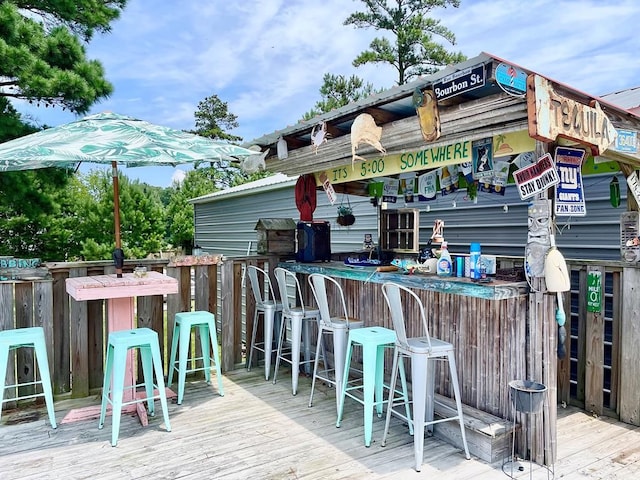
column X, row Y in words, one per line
column 12, row 125
column 180, row 212
column 414, row 52
column 213, row 118
column 81, row 17
column 44, row 62
column 142, row 217
column 58, row 216
column 32, row 214
column 337, row 91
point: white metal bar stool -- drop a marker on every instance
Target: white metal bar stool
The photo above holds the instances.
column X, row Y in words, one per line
column 205, row 322
column 297, row 317
column 422, row 352
column 268, row 307
column 338, row 327
column 31, row 337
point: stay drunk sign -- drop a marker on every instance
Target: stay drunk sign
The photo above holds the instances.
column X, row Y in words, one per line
column 536, row 178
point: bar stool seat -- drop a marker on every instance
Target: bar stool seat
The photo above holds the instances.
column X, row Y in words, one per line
column 205, row 322
column 119, row 343
column 422, row 351
column 31, row 337
column 374, row 341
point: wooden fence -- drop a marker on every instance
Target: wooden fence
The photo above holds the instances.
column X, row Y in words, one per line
column 601, row 372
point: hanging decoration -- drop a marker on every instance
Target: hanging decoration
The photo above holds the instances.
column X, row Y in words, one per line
column 283, row 151
column 614, row 192
column 365, row 130
column 319, row 137
column 448, row 178
column 557, row 280
column 345, row 213
column 407, row 186
column 427, row 186
column 538, row 238
column 427, row 109
column 482, row 157
column 254, row 163
column 305, row 194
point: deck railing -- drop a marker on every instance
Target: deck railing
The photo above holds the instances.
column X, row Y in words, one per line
column 600, row 373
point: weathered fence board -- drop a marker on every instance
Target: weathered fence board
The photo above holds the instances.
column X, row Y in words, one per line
column 629, row 399
column 595, row 354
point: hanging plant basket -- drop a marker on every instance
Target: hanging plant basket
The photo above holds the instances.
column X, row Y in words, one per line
column 345, row 214
column 346, row 220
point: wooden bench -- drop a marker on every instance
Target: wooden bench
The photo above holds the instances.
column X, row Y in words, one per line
column 488, row 436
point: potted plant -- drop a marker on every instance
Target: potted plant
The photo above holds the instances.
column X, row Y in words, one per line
column 345, row 216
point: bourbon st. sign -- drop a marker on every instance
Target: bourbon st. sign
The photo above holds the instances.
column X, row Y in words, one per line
column 552, row 115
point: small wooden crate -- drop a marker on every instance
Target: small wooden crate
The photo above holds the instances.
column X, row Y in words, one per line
column 276, row 235
column 488, row 437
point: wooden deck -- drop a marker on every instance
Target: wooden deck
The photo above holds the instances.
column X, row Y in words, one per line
column 260, row 431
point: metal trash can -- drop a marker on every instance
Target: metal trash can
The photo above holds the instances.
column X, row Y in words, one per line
column 527, row 396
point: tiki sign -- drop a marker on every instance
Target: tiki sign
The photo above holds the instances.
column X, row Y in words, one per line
column 551, row 115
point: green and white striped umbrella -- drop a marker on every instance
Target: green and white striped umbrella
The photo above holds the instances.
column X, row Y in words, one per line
column 116, row 139
column 109, row 137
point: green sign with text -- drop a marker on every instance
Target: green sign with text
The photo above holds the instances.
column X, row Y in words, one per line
column 594, row 291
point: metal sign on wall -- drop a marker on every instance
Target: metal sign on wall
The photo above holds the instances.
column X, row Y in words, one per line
column 594, row 291
column 460, row 82
column 536, row 178
column 569, row 193
column 511, row 79
column 551, row 115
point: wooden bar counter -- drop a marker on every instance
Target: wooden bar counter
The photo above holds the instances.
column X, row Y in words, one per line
column 488, row 323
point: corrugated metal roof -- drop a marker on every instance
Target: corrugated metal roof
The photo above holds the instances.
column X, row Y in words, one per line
column 279, row 180
column 628, row 99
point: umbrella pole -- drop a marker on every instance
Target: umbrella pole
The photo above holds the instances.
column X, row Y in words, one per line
column 118, row 254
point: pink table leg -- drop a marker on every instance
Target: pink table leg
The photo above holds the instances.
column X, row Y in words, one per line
column 121, row 314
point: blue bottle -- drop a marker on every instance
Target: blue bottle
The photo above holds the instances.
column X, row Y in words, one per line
column 474, row 261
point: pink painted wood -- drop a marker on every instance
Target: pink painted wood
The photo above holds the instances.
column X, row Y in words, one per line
column 120, row 293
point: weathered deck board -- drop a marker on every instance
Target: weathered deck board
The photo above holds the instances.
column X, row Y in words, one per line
column 260, row 431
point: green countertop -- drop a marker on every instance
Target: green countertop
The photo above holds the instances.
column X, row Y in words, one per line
column 494, row 290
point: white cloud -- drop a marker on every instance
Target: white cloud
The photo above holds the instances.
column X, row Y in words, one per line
column 266, row 58
column 178, row 176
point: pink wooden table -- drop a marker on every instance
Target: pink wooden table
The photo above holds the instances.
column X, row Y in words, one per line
column 120, row 294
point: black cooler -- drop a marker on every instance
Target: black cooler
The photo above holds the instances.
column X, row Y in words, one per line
column 313, row 241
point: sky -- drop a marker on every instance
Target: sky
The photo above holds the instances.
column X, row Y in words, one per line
column 266, row 58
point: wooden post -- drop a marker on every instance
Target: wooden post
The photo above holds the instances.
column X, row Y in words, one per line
column 629, row 400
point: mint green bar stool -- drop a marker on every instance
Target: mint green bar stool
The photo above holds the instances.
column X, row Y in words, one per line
column 374, row 341
column 206, row 323
column 119, row 343
column 31, row 337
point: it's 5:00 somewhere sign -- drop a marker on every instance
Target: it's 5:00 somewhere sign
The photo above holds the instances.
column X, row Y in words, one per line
column 427, row 158
column 405, row 162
